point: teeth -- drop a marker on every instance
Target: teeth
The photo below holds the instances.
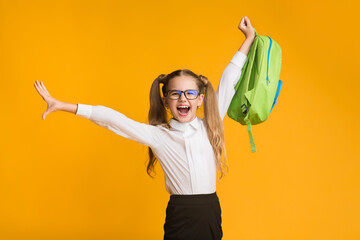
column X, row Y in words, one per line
column 183, row 107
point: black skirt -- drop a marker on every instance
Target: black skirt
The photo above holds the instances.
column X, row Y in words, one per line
column 193, row 217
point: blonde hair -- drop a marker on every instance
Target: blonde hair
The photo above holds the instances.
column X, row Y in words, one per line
column 214, row 125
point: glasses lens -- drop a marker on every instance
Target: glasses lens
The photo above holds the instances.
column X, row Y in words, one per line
column 174, row 94
column 191, row 94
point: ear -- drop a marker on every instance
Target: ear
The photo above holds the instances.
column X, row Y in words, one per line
column 164, row 100
column 201, row 99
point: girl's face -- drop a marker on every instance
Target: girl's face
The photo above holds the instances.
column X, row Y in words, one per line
column 183, row 109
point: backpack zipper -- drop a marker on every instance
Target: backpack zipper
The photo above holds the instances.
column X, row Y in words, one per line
column 267, row 69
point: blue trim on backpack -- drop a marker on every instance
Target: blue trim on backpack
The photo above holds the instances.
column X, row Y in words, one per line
column 267, row 69
column 277, row 94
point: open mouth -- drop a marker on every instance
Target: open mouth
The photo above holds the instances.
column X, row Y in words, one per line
column 183, row 110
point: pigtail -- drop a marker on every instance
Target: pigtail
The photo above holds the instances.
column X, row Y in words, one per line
column 157, row 115
column 214, row 125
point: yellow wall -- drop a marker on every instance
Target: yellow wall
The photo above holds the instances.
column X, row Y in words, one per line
column 66, row 178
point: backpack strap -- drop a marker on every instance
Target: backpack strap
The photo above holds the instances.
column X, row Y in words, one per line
column 252, row 143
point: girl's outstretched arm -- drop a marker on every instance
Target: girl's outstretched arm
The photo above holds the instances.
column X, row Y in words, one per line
column 232, row 72
column 105, row 117
column 118, row 123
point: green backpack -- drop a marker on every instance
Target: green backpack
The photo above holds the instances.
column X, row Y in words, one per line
column 259, row 86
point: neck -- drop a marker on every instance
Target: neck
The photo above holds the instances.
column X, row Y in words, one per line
column 186, row 122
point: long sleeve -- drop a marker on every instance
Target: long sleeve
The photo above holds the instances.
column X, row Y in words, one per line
column 120, row 124
column 228, row 81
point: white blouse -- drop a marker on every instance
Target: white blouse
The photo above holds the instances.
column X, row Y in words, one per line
column 183, row 151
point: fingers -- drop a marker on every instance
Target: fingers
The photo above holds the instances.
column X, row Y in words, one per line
column 44, row 115
column 245, row 21
column 45, row 88
column 242, row 21
column 248, row 23
column 40, row 87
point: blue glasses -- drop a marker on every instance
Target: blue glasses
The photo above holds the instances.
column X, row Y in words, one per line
column 176, row 94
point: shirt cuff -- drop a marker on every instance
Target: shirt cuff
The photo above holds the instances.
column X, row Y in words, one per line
column 84, row 110
column 239, row 59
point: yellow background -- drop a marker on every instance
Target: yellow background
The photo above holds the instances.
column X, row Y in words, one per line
column 66, row 178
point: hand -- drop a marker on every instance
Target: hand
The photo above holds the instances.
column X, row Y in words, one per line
column 246, row 28
column 53, row 104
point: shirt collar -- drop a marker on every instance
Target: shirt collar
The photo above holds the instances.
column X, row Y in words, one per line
column 181, row 126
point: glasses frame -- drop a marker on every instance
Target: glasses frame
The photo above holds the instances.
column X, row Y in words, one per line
column 181, row 92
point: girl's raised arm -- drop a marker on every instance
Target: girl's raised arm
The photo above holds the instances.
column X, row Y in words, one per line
column 103, row 116
column 249, row 32
column 232, row 72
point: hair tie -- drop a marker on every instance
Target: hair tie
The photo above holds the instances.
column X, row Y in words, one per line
column 162, row 78
column 204, row 79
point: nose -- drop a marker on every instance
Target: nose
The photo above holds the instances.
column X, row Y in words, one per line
column 182, row 97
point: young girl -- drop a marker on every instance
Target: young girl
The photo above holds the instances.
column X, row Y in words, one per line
column 189, row 149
